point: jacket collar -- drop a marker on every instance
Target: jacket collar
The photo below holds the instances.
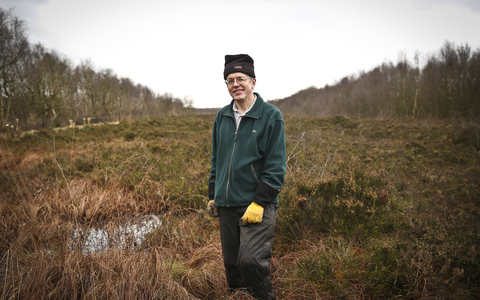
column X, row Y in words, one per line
column 254, row 112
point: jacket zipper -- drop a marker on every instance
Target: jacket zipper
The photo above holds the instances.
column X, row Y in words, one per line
column 231, row 155
column 230, row 165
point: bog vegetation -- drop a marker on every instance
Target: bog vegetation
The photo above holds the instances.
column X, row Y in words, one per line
column 380, row 199
column 370, row 209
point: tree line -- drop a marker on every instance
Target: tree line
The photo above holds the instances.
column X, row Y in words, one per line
column 445, row 86
column 41, row 88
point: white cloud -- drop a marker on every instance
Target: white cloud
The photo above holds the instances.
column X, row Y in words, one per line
column 473, row 5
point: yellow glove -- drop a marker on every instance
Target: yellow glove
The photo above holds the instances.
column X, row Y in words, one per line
column 253, row 214
column 212, row 209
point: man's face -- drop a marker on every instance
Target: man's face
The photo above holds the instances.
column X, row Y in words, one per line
column 240, row 92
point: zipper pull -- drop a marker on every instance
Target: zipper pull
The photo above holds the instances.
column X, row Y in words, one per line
column 235, row 136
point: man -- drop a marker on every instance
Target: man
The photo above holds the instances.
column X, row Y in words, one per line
column 247, row 172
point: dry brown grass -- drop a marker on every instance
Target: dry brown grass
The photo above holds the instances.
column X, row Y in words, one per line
column 371, row 210
column 181, row 260
column 40, row 259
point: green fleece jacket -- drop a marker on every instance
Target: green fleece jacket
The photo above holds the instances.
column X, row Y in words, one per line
column 248, row 165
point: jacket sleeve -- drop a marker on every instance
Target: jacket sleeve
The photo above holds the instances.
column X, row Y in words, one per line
column 213, row 169
column 275, row 165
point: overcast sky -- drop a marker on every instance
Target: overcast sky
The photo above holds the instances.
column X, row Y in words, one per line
column 179, row 46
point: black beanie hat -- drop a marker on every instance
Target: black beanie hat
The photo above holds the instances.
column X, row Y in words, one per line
column 238, row 63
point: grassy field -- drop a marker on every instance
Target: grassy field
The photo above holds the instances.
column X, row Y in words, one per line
column 371, row 209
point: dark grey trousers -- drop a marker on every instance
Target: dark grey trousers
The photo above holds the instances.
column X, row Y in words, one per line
column 247, row 250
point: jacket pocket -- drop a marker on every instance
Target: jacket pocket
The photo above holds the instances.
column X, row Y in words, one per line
column 254, row 173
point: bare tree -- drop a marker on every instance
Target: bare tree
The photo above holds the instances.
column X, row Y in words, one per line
column 82, row 79
column 109, row 92
column 47, row 84
column 417, row 85
column 13, row 47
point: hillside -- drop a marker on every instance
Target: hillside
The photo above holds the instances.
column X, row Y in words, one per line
column 443, row 85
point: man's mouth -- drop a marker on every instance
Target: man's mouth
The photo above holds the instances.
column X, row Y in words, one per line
column 236, row 92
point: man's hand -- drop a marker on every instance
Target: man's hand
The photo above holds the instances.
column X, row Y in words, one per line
column 212, row 209
column 253, row 214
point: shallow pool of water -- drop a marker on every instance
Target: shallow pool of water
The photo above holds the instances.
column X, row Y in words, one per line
column 121, row 236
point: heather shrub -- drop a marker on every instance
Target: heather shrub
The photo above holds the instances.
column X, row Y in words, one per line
column 351, row 200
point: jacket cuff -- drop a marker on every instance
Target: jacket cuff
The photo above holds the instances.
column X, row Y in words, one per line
column 265, row 194
column 211, row 190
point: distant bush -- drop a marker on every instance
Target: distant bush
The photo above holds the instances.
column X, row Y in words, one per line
column 129, row 136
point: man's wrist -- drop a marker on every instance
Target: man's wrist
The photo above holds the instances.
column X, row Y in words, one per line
column 211, row 190
column 265, row 194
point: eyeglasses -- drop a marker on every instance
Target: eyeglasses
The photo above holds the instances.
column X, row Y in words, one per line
column 240, row 80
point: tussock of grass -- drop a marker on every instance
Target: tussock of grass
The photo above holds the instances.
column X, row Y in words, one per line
column 371, row 209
